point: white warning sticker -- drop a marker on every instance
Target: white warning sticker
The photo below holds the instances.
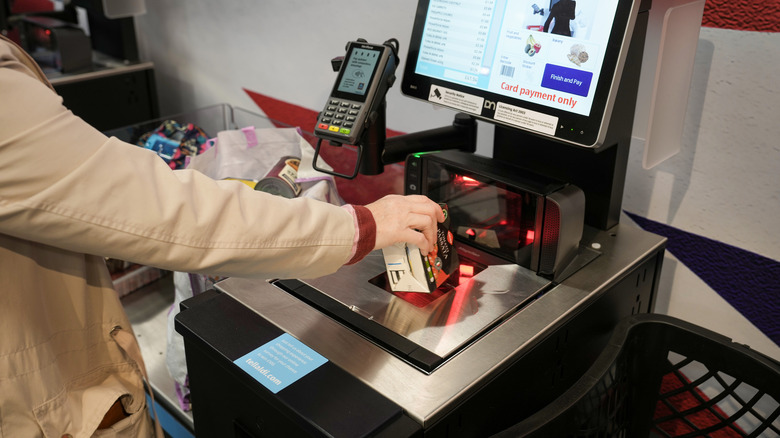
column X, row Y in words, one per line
column 514, row 115
column 456, row 99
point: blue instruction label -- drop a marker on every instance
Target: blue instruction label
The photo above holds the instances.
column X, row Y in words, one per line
column 280, row 362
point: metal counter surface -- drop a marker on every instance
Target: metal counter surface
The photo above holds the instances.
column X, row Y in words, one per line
column 444, row 325
column 621, row 248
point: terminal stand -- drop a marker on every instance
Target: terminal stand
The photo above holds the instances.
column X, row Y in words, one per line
column 375, row 150
column 461, row 135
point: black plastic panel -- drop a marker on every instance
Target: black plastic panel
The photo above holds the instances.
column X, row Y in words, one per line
column 228, row 402
column 397, row 344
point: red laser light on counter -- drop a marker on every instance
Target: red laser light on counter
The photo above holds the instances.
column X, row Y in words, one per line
column 529, row 237
column 466, row 181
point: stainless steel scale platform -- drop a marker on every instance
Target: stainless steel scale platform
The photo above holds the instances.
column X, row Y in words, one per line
column 504, row 342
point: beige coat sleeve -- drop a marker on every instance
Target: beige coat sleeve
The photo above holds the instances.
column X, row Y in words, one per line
column 64, row 184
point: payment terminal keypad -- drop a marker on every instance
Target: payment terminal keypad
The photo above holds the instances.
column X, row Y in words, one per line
column 339, row 116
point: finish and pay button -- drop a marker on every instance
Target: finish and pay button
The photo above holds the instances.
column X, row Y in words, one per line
column 566, row 79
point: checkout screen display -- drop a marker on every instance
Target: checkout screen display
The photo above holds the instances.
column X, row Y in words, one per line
column 547, row 52
column 358, row 70
column 485, row 214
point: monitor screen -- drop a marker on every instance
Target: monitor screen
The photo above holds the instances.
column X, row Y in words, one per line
column 545, row 66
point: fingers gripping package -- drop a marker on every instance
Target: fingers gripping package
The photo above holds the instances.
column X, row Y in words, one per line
column 408, row 270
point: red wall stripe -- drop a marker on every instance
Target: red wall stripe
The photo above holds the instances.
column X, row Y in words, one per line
column 750, row 15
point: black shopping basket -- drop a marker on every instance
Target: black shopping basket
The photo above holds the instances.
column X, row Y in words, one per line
column 663, row 377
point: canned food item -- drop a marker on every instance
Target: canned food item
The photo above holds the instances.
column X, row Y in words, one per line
column 280, row 180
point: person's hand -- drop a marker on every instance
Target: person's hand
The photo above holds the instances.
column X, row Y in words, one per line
column 411, row 219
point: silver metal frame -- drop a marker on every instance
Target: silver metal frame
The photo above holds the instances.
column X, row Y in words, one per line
column 428, row 397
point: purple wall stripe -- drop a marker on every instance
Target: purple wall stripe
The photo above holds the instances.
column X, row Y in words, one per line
column 748, row 281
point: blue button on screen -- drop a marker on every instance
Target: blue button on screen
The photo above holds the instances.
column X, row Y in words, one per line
column 566, row 79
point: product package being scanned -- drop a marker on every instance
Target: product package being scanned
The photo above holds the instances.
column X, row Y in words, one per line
column 410, row 271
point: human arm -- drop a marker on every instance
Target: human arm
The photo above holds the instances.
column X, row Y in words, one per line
column 64, row 184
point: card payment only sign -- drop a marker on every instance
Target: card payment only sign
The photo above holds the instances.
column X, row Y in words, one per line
column 280, row 362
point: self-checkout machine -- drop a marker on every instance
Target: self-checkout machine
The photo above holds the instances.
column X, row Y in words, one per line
column 546, row 269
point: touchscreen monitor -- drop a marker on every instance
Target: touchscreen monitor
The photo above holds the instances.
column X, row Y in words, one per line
column 547, row 66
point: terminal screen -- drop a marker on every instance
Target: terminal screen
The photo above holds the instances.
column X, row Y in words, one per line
column 358, row 69
column 541, row 65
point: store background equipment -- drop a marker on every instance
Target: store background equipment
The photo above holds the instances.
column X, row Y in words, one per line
column 89, row 52
column 542, row 282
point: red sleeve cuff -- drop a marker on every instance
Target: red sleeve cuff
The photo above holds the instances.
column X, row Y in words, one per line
column 366, row 233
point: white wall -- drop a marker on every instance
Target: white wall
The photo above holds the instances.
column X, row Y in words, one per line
column 725, row 182
column 723, row 185
column 206, row 52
